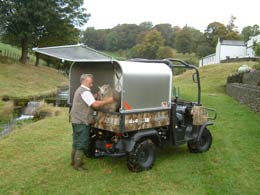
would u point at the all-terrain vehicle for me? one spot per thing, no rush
(150, 115)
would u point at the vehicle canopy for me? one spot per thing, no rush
(143, 86)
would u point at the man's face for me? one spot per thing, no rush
(89, 82)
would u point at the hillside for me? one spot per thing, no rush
(23, 81)
(35, 158)
(19, 80)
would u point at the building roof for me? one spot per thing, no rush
(232, 42)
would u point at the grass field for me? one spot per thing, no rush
(35, 158)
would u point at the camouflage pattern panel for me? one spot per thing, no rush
(200, 115)
(110, 121)
(107, 121)
(146, 120)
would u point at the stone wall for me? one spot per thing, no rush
(245, 89)
(252, 78)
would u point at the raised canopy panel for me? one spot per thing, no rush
(146, 85)
(74, 53)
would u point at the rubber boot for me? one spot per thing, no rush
(78, 161)
(73, 157)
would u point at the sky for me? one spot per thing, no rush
(194, 13)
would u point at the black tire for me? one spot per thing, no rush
(203, 144)
(142, 157)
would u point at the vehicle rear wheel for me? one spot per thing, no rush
(142, 157)
(203, 144)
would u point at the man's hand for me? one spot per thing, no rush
(98, 104)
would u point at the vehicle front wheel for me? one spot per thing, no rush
(142, 157)
(201, 145)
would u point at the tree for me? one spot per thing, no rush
(90, 37)
(146, 26)
(60, 34)
(183, 41)
(214, 31)
(100, 42)
(149, 46)
(167, 33)
(25, 22)
(231, 27)
(111, 43)
(249, 31)
(164, 52)
(204, 49)
(257, 49)
(127, 35)
(232, 32)
(187, 40)
(175, 30)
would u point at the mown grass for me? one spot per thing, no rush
(35, 158)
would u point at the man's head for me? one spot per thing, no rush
(87, 80)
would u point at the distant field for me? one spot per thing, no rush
(35, 157)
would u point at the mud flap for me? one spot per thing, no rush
(152, 133)
(202, 129)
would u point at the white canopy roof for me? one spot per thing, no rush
(74, 53)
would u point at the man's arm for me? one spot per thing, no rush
(90, 100)
(98, 104)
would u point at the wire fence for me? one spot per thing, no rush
(9, 54)
(7, 128)
(16, 55)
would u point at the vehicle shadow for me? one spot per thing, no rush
(118, 164)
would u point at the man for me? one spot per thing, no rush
(81, 119)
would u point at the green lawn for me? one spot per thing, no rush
(35, 158)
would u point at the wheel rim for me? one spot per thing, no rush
(202, 141)
(143, 156)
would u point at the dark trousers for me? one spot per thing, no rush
(80, 136)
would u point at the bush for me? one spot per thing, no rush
(46, 110)
(164, 52)
(257, 66)
(235, 78)
(6, 111)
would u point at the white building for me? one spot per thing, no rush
(230, 49)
